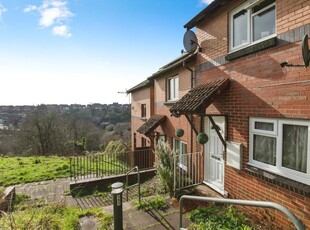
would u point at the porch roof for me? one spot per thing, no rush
(151, 124)
(199, 98)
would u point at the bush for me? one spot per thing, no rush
(217, 217)
(165, 165)
(117, 148)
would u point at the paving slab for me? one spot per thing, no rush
(89, 223)
(54, 191)
(138, 220)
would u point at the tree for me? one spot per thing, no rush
(43, 132)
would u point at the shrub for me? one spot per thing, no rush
(165, 165)
(202, 138)
(217, 217)
(179, 132)
(117, 148)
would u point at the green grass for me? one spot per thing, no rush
(19, 170)
(87, 192)
(155, 203)
(53, 216)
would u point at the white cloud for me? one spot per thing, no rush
(30, 8)
(53, 13)
(2, 10)
(207, 2)
(62, 31)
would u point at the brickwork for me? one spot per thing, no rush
(292, 14)
(139, 97)
(172, 123)
(259, 87)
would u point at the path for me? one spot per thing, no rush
(55, 190)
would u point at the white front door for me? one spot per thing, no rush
(213, 154)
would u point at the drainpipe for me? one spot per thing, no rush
(192, 84)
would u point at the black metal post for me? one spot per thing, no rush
(117, 192)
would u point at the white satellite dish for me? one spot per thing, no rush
(190, 41)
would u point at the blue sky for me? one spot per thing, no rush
(86, 51)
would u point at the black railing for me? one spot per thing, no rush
(109, 164)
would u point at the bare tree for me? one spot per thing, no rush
(43, 132)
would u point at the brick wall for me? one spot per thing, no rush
(260, 87)
(161, 107)
(139, 97)
(292, 14)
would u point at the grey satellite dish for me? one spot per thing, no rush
(305, 50)
(190, 41)
(305, 54)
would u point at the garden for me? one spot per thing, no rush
(38, 214)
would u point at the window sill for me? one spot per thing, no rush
(143, 118)
(170, 103)
(281, 181)
(252, 49)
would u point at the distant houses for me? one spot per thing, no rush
(12, 116)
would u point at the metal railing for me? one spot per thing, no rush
(263, 204)
(109, 163)
(137, 184)
(188, 170)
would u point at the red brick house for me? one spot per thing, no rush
(240, 89)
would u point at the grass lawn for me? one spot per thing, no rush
(18, 170)
(50, 216)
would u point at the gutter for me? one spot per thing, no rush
(174, 64)
(210, 9)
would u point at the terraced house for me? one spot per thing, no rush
(243, 84)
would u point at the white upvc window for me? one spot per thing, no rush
(281, 146)
(173, 88)
(252, 22)
(180, 148)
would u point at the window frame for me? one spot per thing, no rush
(278, 134)
(180, 148)
(143, 111)
(170, 89)
(248, 6)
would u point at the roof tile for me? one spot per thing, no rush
(199, 98)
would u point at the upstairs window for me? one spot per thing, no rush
(252, 22)
(173, 88)
(143, 110)
(282, 147)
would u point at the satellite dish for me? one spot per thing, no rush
(190, 41)
(305, 50)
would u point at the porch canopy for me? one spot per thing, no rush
(199, 98)
(151, 124)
